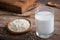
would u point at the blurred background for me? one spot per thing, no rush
(45, 1)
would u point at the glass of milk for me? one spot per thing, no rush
(44, 21)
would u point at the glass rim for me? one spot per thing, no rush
(44, 8)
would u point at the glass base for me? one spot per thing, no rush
(44, 35)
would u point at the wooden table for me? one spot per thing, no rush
(6, 35)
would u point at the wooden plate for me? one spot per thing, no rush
(19, 32)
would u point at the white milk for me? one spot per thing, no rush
(44, 23)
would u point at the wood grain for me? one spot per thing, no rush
(6, 35)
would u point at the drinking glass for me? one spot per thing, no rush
(44, 21)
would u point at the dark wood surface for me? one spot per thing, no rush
(6, 35)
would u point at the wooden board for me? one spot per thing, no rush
(5, 35)
(16, 6)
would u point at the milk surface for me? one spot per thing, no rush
(44, 22)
